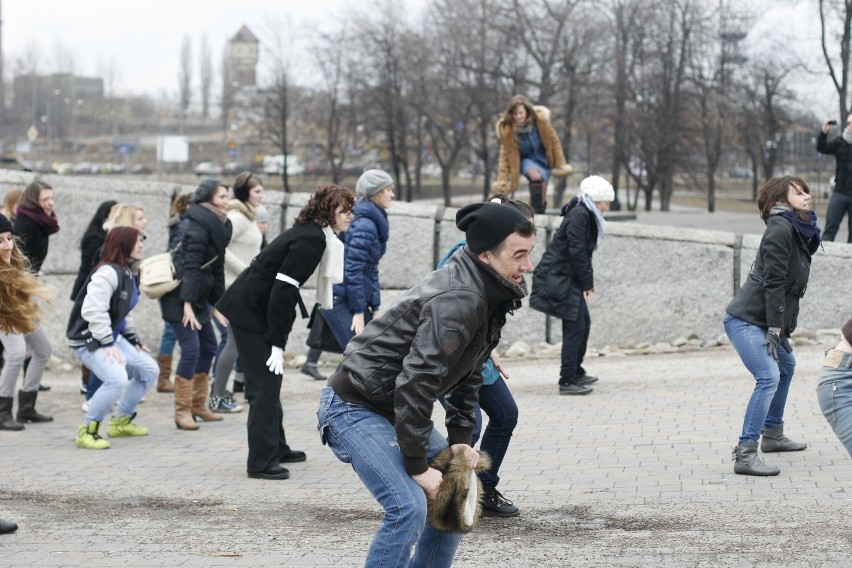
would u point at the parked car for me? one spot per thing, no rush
(83, 168)
(236, 168)
(740, 173)
(64, 168)
(208, 169)
(141, 169)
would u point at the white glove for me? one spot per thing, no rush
(276, 361)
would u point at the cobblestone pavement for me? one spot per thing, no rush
(638, 473)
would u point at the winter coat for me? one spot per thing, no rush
(777, 279)
(263, 298)
(205, 240)
(565, 270)
(433, 341)
(33, 237)
(102, 310)
(90, 251)
(177, 228)
(509, 164)
(245, 239)
(843, 157)
(366, 243)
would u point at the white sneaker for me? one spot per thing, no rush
(85, 406)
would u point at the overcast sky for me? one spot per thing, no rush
(144, 37)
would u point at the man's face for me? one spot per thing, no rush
(513, 259)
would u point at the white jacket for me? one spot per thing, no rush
(245, 239)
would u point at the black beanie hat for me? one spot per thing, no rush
(6, 225)
(485, 225)
(204, 192)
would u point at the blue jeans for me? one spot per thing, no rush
(502, 410)
(839, 205)
(366, 440)
(167, 342)
(128, 382)
(834, 391)
(772, 378)
(197, 349)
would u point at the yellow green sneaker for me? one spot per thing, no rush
(123, 426)
(87, 437)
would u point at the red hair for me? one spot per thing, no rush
(119, 244)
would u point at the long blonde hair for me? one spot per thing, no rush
(20, 313)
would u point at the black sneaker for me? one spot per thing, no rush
(585, 380)
(495, 505)
(574, 388)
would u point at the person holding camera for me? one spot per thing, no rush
(840, 203)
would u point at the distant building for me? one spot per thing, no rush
(60, 102)
(243, 51)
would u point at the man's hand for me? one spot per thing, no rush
(826, 126)
(471, 455)
(429, 480)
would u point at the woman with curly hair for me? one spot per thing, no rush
(261, 305)
(20, 329)
(529, 146)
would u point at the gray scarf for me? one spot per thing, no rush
(601, 222)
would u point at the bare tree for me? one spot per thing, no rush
(278, 93)
(185, 80)
(205, 76)
(330, 55)
(837, 10)
(228, 95)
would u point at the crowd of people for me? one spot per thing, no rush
(436, 343)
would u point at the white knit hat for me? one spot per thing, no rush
(597, 188)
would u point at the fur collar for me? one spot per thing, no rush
(246, 208)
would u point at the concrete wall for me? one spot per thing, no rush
(654, 283)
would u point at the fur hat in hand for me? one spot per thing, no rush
(6, 225)
(485, 225)
(457, 505)
(372, 181)
(597, 188)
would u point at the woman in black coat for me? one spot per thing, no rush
(261, 305)
(199, 263)
(35, 222)
(91, 244)
(563, 282)
(763, 314)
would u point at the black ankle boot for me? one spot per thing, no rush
(310, 366)
(7, 422)
(774, 440)
(26, 408)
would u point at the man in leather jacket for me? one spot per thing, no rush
(376, 411)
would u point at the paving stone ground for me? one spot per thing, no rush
(638, 473)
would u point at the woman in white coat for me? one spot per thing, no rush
(245, 244)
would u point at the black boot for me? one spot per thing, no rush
(310, 366)
(7, 422)
(7, 526)
(774, 440)
(749, 463)
(495, 505)
(572, 387)
(26, 408)
(537, 196)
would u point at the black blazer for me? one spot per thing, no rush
(205, 239)
(259, 300)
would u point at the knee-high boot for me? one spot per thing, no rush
(537, 188)
(183, 402)
(200, 387)
(163, 382)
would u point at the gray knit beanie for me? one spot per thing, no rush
(372, 181)
(262, 214)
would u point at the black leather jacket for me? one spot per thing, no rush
(777, 280)
(432, 342)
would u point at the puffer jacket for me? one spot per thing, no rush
(509, 164)
(565, 270)
(205, 239)
(366, 243)
(102, 309)
(432, 342)
(777, 279)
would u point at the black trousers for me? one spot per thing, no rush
(575, 337)
(266, 440)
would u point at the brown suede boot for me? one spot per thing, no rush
(200, 386)
(163, 382)
(183, 401)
